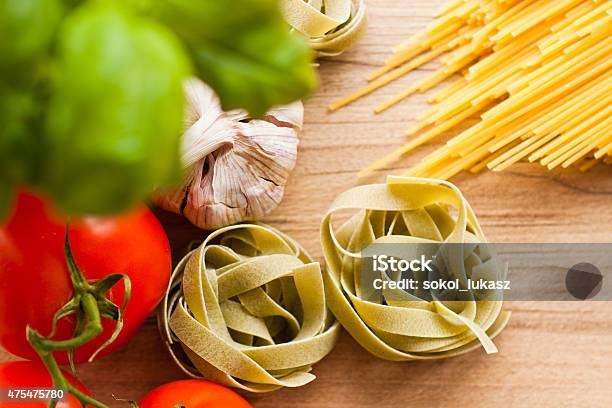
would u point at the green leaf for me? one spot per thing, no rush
(27, 28)
(243, 49)
(116, 115)
(6, 194)
(19, 149)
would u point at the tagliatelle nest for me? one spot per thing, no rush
(237, 167)
(247, 309)
(330, 26)
(400, 324)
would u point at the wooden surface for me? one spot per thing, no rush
(551, 354)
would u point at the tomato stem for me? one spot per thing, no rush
(133, 404)
(93, 327)
(59, 381)
(90, 305)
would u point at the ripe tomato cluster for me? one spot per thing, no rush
(37, 280)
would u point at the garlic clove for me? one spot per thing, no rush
(289, 115)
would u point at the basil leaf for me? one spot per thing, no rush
(17, 143)
(243, 49)
(116, 115)
(27, 28)
(19, 150)
(6, 199)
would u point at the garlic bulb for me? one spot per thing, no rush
(237, 167)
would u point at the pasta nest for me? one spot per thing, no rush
(401, 324)
(330, 26)
(247, 308)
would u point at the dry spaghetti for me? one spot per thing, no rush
(537, 72)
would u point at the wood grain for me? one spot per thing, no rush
(551, 354)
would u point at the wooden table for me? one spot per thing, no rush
(551, 354)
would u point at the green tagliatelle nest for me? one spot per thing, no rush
(248, 310)
(330, 26)
(401, 325)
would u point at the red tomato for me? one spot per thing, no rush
(35, 282)
(34, 375)
(193, 394)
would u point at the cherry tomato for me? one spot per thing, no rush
(32, 374)
(193, 394)
(35, 282)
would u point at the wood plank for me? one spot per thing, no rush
(551, 354)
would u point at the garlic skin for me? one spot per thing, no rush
(237, 167)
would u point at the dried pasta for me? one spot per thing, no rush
(536, 72)
(331, 26)
(406, 326)
(247, 309)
